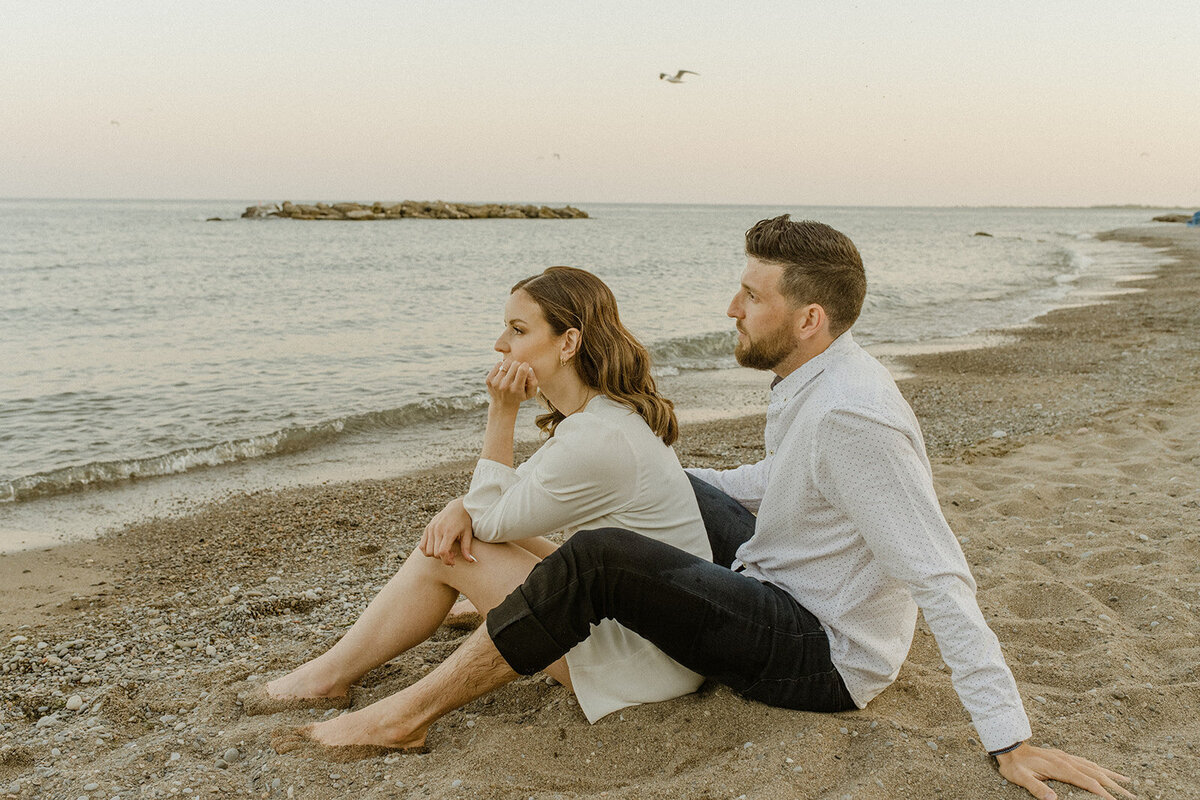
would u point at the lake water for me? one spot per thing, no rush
(139, 340)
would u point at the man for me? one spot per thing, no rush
(812, 603)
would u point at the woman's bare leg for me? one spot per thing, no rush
(406, 612)
(540, 546)
(464, 614)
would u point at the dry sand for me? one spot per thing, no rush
(1080, 523)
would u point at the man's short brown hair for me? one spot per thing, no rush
(820, 265)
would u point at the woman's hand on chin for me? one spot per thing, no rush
(511, 383)
(450, 527)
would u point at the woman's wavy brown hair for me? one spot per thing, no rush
(609, 358)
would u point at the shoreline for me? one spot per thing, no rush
(1071, 520)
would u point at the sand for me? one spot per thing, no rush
(123, 659)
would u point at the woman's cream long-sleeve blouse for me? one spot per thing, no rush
(603, 467)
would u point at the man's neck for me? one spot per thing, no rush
(805, 351)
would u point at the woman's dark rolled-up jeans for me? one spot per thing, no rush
(749, 635)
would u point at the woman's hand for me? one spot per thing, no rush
(450, 526)
(511, 383)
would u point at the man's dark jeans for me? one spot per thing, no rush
(749, 635)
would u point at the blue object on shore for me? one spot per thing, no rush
(1194, 222)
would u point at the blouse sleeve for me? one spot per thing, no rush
(580, 474)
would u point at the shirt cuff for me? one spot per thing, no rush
(489, 482)
(492, 476)
(996, 733)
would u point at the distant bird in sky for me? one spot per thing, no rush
(677, 77)
(114, 122)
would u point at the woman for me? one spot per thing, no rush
(607, 461)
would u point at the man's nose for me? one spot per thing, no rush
(735, 309)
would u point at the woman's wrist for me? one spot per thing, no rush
(503, 411)
(498, 438)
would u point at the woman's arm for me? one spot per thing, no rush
(509, 383)
(581, 474)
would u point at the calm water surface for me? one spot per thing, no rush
(140, 340)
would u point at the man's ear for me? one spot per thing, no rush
(810, 320)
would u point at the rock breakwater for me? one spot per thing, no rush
(410, 209)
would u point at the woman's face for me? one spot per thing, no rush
(528, 337)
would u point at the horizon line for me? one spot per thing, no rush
(577, 203)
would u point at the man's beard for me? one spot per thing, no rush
(765, 353)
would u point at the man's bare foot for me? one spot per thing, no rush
(361, 734)
(463, 616)
(288, 740)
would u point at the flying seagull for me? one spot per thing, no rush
(677, 77)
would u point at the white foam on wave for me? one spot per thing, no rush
(288, 440)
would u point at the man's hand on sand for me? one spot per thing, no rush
(449, 530)
(1030, 766)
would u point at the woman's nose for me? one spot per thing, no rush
(500, 346)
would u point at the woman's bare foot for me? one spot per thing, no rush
(304, 687)
(464, 616)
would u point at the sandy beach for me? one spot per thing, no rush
(1067, 459)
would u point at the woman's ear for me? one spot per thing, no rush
(569, 346)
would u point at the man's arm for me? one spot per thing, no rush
(747, 484)
(876, 475)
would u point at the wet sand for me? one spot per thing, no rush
(1067, 459)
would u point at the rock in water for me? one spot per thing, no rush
(260, 212)
(436, 209)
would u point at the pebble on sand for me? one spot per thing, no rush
(74, 703)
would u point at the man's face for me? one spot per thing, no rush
(765, 318)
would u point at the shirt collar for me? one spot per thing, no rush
(786, 388)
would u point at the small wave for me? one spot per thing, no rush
(288, 440)
(1072, 263)
(1078, 261)
(701, 351)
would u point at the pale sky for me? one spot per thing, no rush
(869, 103)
